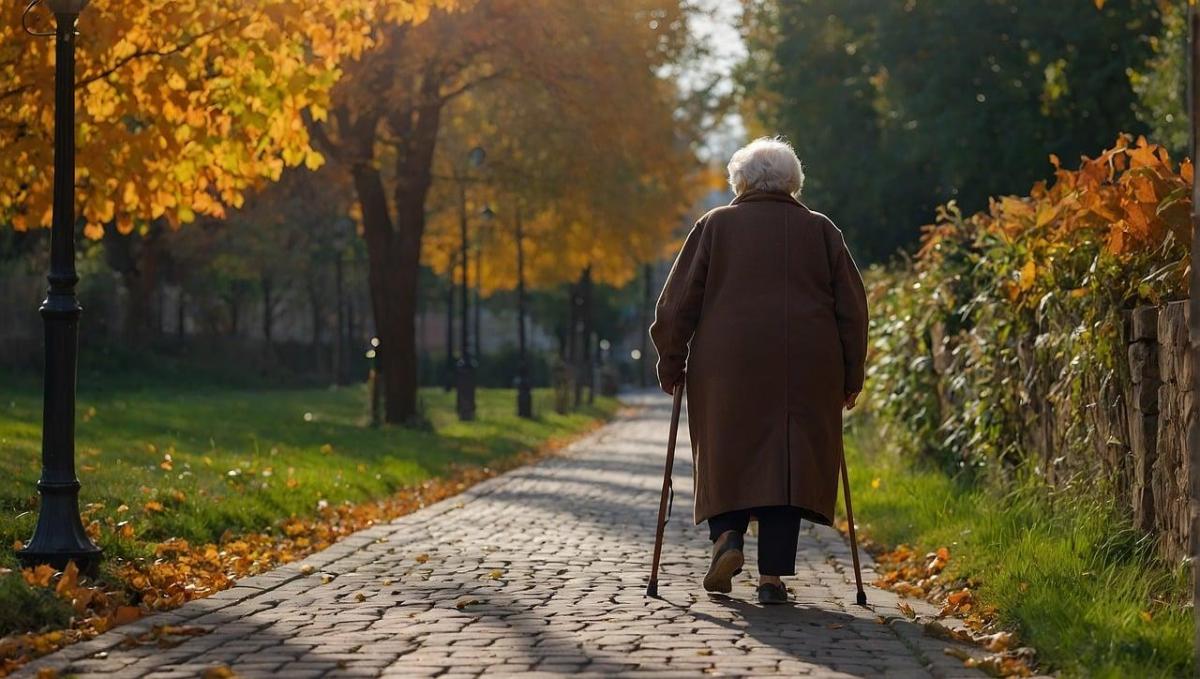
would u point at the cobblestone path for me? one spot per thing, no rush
(541, 571)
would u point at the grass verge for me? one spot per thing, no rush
(165, 463)
(1066, 572)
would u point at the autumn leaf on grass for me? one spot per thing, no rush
(38, 577)
(326, 449)
(153, 506)
(69, 581)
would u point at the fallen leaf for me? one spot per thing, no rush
(126, 615)
(464, 602)
(422, 558)
(360, 597)
(907, 610)
(219, 672)
(307, 569)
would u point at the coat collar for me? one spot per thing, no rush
(755, 196)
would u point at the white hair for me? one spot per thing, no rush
(766, 164)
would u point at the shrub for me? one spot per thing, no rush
(1009, 315)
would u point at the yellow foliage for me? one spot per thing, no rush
(182, 106)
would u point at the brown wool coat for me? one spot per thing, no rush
(766, 310)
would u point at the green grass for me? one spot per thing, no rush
(232, 451)
(1067, 573)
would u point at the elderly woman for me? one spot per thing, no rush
(765, 309)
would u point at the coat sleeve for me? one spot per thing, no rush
(678, 310)
(850, 308)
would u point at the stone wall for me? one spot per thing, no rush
(1127, 431)
(1160, 407)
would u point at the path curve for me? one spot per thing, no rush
(540, 571)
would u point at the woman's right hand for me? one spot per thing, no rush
(851, 400)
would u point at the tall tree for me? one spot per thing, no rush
(385, 121)
(898, 107)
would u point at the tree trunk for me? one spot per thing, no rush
(647, 305)
(478, 303)
(314, 303)
(581, 334)
(136, 258)
(339, 334)
(393, 273)
(234, 313)
(449, 381)
(180, 327)
(268, 317)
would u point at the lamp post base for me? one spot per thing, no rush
(60, 537)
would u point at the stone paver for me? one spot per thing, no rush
(539, 572)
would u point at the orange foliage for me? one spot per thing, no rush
(1128, 201)
(182, 106)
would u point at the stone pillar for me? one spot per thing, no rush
(1143, 412)
(1170, 467)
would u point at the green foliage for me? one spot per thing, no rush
(1009, 318)
(1064, 571)
(1161, 85)
(898, 107)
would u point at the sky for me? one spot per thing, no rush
(718, 28)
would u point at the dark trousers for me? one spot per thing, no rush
(778, 533)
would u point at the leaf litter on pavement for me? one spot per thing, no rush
(180, 572)
(912, 574)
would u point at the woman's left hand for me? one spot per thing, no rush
(851, 400)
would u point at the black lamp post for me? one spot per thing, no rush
(60, 537)
(466, 366)
(524, 394)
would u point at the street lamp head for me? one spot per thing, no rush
(476, 157)
(67, 6)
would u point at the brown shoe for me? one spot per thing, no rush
(726, 562)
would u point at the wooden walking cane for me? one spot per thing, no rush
(862, 596)
(668, 493)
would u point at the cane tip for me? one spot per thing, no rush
(861, 598)
(652, 590)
